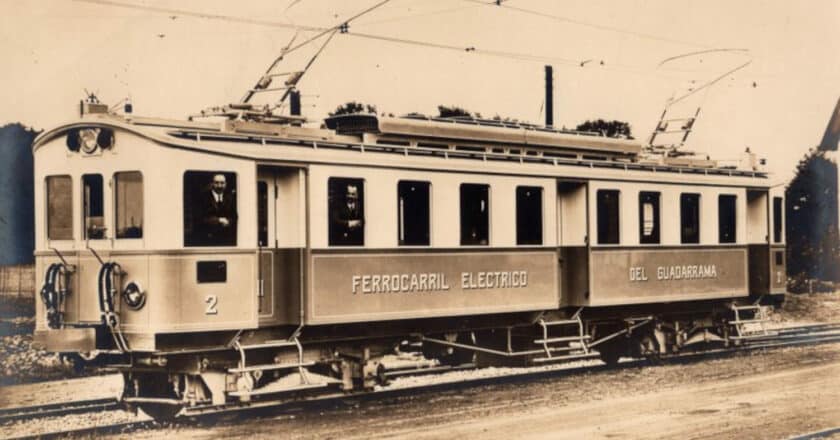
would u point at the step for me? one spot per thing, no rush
(258, 392)
(566, 357)
(748, 307)
(268, 367)
(561, 322)
(269, 344)
(749, 321)
(562, 339)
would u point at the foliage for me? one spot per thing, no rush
(17, 205)
(445, 111)
(608, 128)
(811, 213)
(353, 107)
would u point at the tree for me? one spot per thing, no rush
(349, 108)
(607, 128)
(17, 194)
(445, 111)
(811, 221)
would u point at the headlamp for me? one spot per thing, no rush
(134, 296)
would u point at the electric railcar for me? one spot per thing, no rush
(228, 260)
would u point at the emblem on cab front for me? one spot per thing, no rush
(89, 140)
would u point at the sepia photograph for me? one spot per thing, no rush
(420, 219)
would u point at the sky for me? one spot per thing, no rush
(606, 55)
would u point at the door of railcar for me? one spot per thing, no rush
(573, 224)
(281, 238)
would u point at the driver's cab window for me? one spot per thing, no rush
(92, 210)
(210, 210)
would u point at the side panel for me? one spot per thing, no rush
(355, 287)
(282, 291)
(574, 266)
(177, 301)
(759, 269)
(635, 276)
(778, 281)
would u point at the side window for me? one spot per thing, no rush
(475, 214)
(727, 213)
(413, 213)
(608, 219)
(778, 219)
(210, 217)
(529, 213)
(59, 208)
(649, 217)
(262, 213)
(128, 206)
(690, 218)
(346, 201)
(93, 213)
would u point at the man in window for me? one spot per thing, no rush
(346, 219)
(218, 219)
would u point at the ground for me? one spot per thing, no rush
(20, 362)
(774, 394)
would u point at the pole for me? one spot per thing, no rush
(549, 96)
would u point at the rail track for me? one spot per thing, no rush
(784, 337)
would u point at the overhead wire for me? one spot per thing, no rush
(323, 31)
(204, 15)
(412, 16)
(598, 26)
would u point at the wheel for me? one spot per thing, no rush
(160, 411)
(649, 349)
(153, 386)
(610, 352)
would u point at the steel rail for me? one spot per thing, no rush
(58, 409)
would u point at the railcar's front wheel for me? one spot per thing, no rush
(156, 394)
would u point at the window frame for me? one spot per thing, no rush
(84, 213)
(237, 208)
(47, 206)
(734, 198)
(598, 236)
(262, 215)
(656, 238)
(400, 219)
(541, 218)
(362, 203)
(462, 238)
(778, 219)
(684, 239)
(116, 204)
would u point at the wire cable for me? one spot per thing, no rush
(204, 15)
(590, 24)
(323, 31)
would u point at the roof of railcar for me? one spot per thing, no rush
(254, 141)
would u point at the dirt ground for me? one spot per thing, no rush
(817, 307)
(774, 394)
(20, 362)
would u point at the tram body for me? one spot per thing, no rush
(463, 229)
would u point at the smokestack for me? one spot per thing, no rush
(549, 96)
(294, 103)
